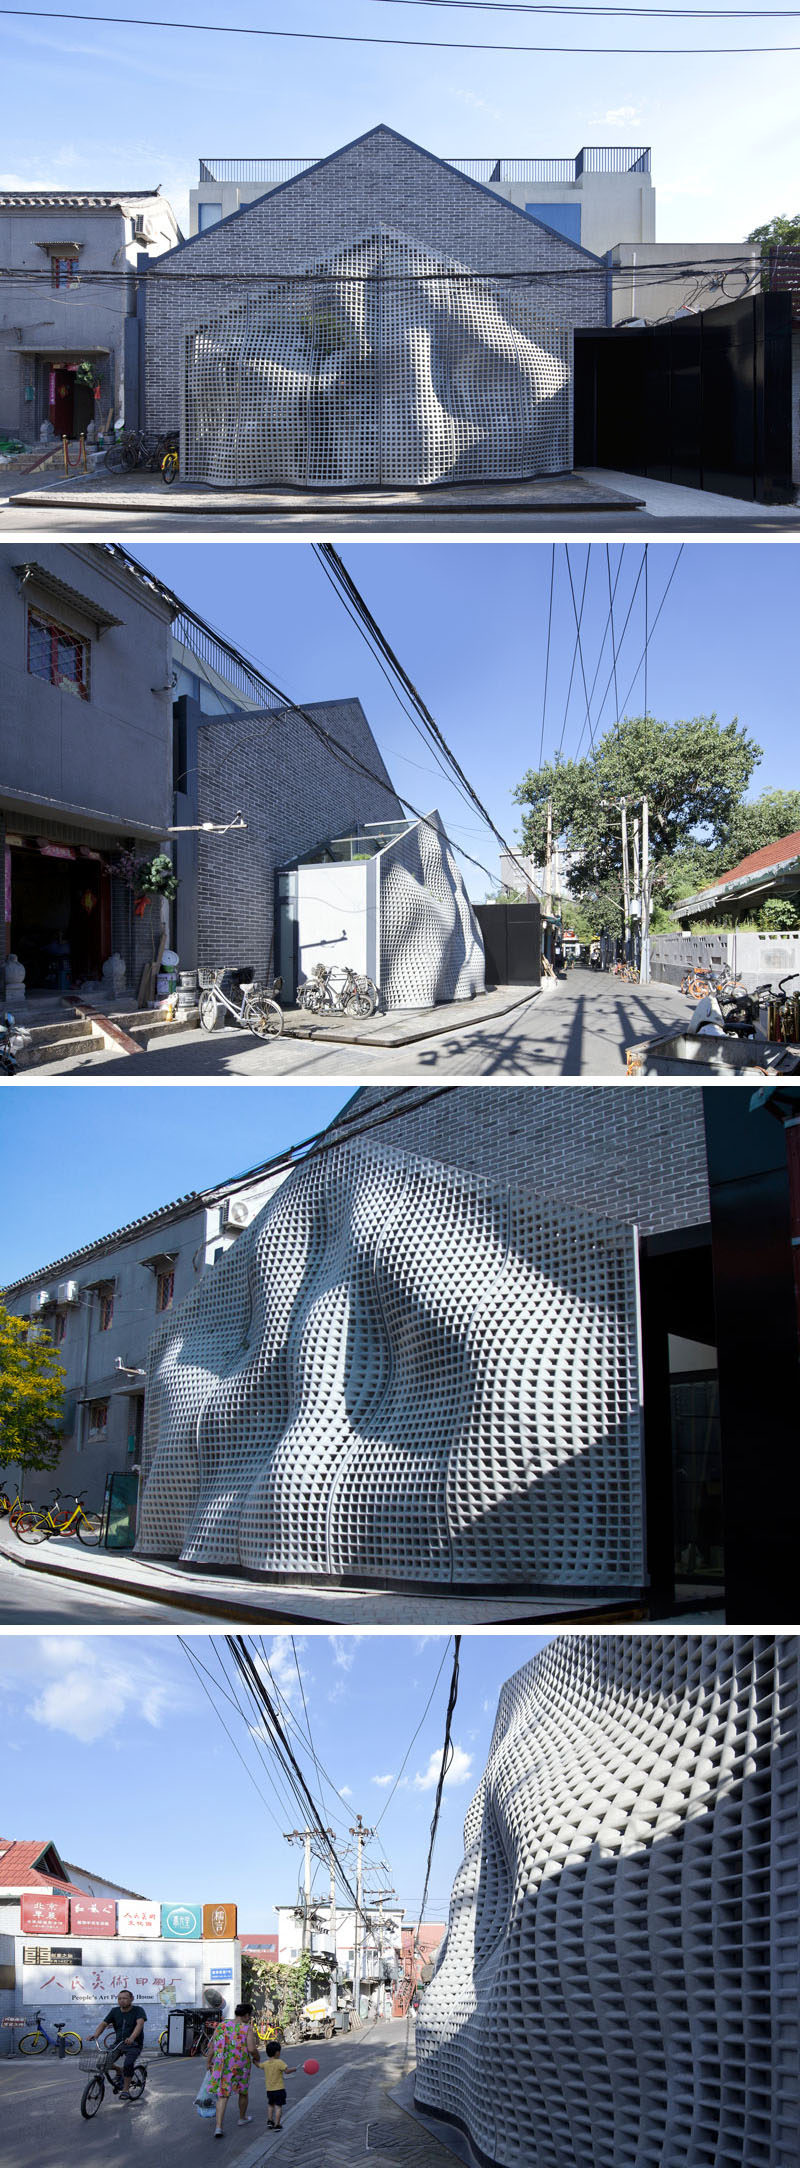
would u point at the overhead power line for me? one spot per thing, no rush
(551, 7)
(447, 1756)
(352, 37)
(730, 263)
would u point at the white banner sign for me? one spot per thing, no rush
(166, 1985)
(135, 1920)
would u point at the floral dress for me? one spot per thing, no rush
(230, 2061)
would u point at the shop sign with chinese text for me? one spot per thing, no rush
(43, 1984)
(44, 1915)
(94, 1916)
(219, 1923)
(182, 1923)
(137, 1920)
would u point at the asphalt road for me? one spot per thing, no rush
(43, 2126)
(34, 1599)
(583, 1029)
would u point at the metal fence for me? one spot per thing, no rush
(593, 158)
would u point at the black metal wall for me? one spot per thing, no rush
(512, 940)
(705, 401)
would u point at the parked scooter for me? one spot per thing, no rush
(13, 1037)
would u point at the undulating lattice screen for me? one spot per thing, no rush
(618, 1986)
(430, 943)
(402, 1373)
(381, 366)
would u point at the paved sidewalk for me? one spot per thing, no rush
(357, 2120)
(556, 493)
(224, 1596)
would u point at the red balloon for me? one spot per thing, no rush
(311, 2067)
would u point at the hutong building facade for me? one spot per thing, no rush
(377, 318)
(618, 1981)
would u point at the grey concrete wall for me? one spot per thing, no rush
(294, 793)
(639, 1157)
(380, 183)
(110, 754)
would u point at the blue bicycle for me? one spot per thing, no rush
(38, 2042)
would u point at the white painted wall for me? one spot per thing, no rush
(614, 206)
(752, 957)
(718, 272)
(332, 910)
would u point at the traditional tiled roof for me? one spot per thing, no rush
(30, 1863)
(71, 199)
(772, 854)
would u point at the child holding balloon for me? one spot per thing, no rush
(275, 2070)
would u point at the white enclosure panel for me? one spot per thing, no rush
(618, 1984)
(382, 365)
(331, 918)
(404, 1373)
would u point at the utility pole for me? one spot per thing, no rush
(358, 1942)
(626, 886)
(333, 1999)
(644, 967)
(378, 1899)
(303, 1836)
(548, 861)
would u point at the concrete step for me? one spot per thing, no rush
(58, 1027)
(52, 1042)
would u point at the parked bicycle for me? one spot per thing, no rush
(13, 1040)
(170, 465)
(204, 2025)
(140, 448)
(626, 971)
(98, 2062)
(61, 2039)
(338, 988)
(248, 1003)
(13, 1507)
(35, 1524)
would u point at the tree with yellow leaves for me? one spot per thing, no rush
(31, 1395)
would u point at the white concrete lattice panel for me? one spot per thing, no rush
(382, 365)
(618, 1985)
(404, 1374)
(429, 940)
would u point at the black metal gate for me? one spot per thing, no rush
(705, 401)
(512, 942)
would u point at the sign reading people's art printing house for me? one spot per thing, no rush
(182, 1923)
(103, 1983)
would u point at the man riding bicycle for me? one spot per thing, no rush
(128, 2023)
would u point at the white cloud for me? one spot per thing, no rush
(620, 115)
(383, 1781)
(346, 1791)
(88, 1688)
(459, 1772)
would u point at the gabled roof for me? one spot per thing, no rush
(771, 854)
(296, 180)
(30, 1863)
(751, 877)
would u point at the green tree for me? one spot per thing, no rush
(31, 1395)
(278, 1992)
(780, 232)
(695, 774)
(775, 814)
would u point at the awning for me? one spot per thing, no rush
(31, 572)
(61, 351)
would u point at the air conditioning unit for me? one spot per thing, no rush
(68, 1292)
(238, 1212)
(40, 1300)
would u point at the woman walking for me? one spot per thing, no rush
(233, 2050)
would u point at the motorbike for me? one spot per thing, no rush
(13, 1037)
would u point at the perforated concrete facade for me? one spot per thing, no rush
(384, 366)
(404, 1374)
(430, 943)
(633, 1156)
(382, 185)
(618, 1987)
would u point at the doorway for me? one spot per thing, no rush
(60, 916)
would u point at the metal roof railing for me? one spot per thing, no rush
(593, 158)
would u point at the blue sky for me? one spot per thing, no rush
(116, 107)
(469, 623)
(114, 1752)
(110, 1160)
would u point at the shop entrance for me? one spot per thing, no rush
(60, 915)
(70, 404)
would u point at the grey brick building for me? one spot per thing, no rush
(292, 788)
(381, 279)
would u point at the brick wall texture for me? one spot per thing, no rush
(294, 793)
(637, 1156)
(382, 183)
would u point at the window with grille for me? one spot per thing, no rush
(98, 1415)
(106, 1309)
(58, 656)
(165, 1289)
(62, 270)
